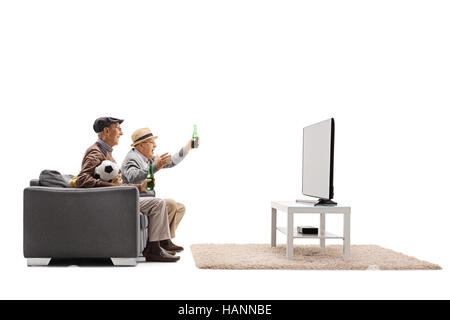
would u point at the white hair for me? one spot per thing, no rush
(101, 134)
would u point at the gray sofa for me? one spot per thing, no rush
(83, 223)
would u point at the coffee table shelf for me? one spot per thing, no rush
(327, 235)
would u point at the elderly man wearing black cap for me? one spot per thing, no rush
(109, 132)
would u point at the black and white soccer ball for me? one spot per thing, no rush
(107, 171)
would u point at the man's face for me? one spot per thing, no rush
(113, 133)
(147, 148)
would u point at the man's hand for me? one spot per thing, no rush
(143, 186)
(188, 145)
(163, 160)
(117, 181)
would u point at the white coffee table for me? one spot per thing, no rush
(292, 207)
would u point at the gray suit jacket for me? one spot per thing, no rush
(134, 171)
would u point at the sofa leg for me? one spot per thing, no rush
(124, 262)
(35, 262)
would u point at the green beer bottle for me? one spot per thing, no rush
(150, 184)
(194, 144)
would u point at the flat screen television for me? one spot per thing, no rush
(318, 162)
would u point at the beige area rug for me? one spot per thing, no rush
(308, 257)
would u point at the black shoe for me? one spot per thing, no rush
(176, 248)
(172, 252)
(168, 245)
(161, 256)
(146, 249)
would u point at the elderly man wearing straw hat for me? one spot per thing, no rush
(109, 131)
(135, 169)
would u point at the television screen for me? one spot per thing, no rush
(318, 154)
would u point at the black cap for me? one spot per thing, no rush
(104, 122)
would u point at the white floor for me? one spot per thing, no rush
(182, 280)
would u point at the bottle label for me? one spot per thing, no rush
(194, 143)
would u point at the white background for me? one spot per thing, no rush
(251, 75)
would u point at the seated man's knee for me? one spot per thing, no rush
(161, 204)
(171, 204)
(181, 208)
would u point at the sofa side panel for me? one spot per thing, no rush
(83, 223)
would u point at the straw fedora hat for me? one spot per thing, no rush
(141, 135)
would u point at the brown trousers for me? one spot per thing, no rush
(175, 212)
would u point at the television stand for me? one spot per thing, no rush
(320, 202)
(291, 208)
(325, 202)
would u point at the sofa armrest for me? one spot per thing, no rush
(84, 223)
